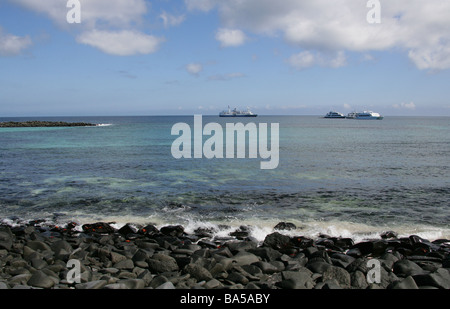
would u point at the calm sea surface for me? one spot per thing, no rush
(340, 177)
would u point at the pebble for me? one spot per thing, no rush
(133, 257)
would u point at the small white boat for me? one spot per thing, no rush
(334, 115)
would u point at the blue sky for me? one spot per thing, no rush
(137, 57)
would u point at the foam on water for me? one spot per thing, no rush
(257, 229)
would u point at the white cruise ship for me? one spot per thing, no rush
(334, 115)
(366, 115)
(236, 113)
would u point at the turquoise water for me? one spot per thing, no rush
(340, 177)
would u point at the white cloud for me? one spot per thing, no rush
(306, 59)
(111, 26)
(171, 20)
(410, 106)
(418, 28)
(11, 45)
(302, 60)
(194, 68)
(230, 37)
(93, 12)
(431, 58)
(121, 43)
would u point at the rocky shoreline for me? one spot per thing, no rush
(36, 124)
(33, 256)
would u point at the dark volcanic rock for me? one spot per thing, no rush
(406, 284)
(160, 263)
(285, 226)
(375, 247)
(99, 227)
(277, 241)
(297, 279)
(405, 268)
(389, 235)
(439, 279)
(172, 230)
(41, 280)
(198, 272)
(6, 238)
(339, 274)
(36, 256)
(35, 123)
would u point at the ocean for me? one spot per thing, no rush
(340, 177)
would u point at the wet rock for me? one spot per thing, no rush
(38, 263)
(245, 258)
(128, 229)
(41, 280)
(340, 275)
(266, 253)
(358, 280)
(318, 266)
(160, 263)
(277, 241)
(342, 260)
(389, 235)
(405, 268)
(296, 280)
(62, 249)
(148, 230)
(241, 233)
(285, 226)
(406, 284)
(246, 245)
(6, 238)
(266, 267)
(142, 255)
(374, 248)
(38, 245)
(99, 227)
(126, 264)
(115, 257)
(344, 243)
(20, 279)
(198, 272)
(439, 279)
(173, 230)
(237, 277)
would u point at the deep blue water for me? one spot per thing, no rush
(340, 177)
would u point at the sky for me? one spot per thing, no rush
(185, 57)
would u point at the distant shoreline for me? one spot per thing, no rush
(35, 123)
